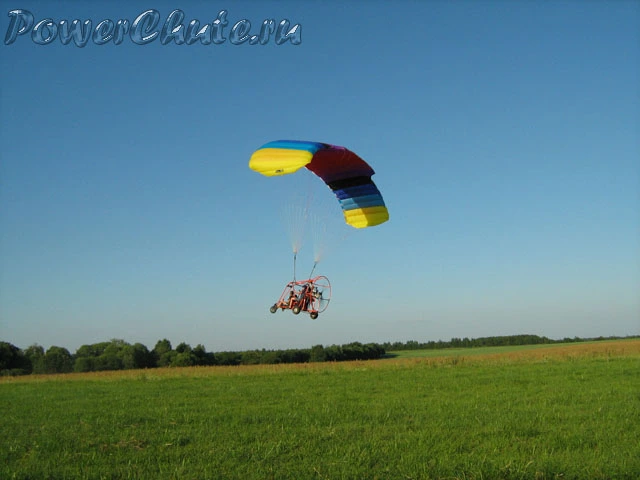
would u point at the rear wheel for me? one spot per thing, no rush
(296, 309)
(313, 315)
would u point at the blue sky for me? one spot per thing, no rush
(504, 136)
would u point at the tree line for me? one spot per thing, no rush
(120, 355)
(496, 341)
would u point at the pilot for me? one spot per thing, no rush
(292, 298)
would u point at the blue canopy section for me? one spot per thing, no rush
(312, 147)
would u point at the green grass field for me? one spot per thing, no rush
(569, 412)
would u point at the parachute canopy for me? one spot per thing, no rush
(344, 172)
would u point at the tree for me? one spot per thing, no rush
(35, 354)
(373, 351)
(162, 346)
(84, 364)
(166, 359)
(318, 354)
(108, 361)
(13, 361)
(7, 354)
(184, 359)
(87, 357)
(137, 356)
(111, 357)
(203, 357)
(228, 358)
(352, 351)
(334, 353)
(183, 348)
(272, 357)
(251, 357)
(297, 356)
(162, 353)
(93, 350)
(115, 347)
(58, 360)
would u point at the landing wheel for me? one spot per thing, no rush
(313, 315)
(296, 309)
(273, 309)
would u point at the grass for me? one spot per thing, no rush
(571, 411)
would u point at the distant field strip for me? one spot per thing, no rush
(532, 352)
(564, 411)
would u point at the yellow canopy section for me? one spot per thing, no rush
(366, 217)
(279, 161)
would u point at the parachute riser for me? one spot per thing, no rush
(312, 270)
(295, 256)
(294, 266)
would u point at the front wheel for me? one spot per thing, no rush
(273, 309)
